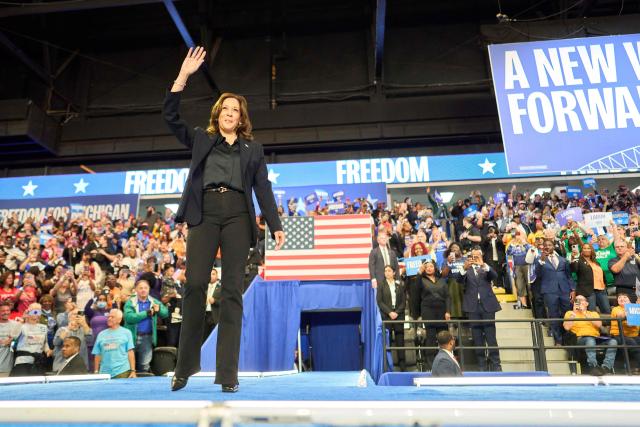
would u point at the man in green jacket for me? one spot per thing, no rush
(141, 317)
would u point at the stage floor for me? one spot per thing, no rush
(312, 386)
(318, 398)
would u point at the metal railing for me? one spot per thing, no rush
(537, 336)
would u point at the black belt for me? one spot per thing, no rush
(219, 189)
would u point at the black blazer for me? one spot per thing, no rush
(252, 163)
(383, 298)
(475, 285)
(75, 367)
(584, 273)
(444, 366)
(487, 250)
(376, 264)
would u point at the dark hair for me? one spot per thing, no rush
(244, 128)
(444, 338)
(592, 257)
(75, 340)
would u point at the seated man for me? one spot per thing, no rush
(72, 363)
(445, 364)
(630, 332)
(587, 331)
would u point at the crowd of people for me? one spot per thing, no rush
(92, 296)
(99, 296)
(558, 265)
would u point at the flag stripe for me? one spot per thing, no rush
(317, 261)
(350, 245)
(365, 237)
(316, 267)
(319, 277)
(323, 247)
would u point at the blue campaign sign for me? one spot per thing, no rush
(413, 264)
(500, 197)
(574, 192)
(118, 206)
(621, 218)
(471, 210)
(633, 314)
(558, 100)
(589, 182)
(306, 197)
(574, 214)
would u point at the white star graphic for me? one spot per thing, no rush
(273, 176)
(81, 186)
(371, 200)
(29, 189)
(487, 166)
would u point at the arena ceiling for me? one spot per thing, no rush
(77, 75)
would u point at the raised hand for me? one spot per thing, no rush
(193, 61)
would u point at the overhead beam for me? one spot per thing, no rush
(19, 53)
(378, 48)
(68, 6)
(184, 32)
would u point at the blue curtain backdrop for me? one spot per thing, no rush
(272, 317)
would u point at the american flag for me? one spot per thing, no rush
(321, 248)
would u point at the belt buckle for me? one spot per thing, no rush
(222, 189)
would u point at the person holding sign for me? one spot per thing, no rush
(451, 269)
(630, 332)
(435, 303)
(591, 281)
(226, 169)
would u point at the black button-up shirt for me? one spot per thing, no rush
(222, 166)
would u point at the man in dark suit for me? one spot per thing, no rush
(379, 258)
(445, 364)
(480, 303)
(556, 285)
(73, 363)
(390, 297)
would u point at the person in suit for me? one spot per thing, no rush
(445, 363)
(226, 168)
(391, 301)
(73, 363)
(379, 258)
(556, 285)
(480, 303)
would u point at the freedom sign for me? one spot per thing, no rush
(558, 100)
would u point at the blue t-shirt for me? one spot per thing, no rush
(144, 327)
(113, 346)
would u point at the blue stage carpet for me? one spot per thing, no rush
(332, 386)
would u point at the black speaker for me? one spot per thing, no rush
(164, 360)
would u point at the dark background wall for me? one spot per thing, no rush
(81, 83)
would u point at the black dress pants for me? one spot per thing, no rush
(485, 334)
(434, 312)
(225, 225)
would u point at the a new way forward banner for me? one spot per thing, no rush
(569, 105)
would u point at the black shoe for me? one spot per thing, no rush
(230, 388)
(178, 382)
(596, 371)
(606, 370)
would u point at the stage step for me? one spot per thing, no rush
(519, 334)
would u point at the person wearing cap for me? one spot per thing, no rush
(32, 345)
